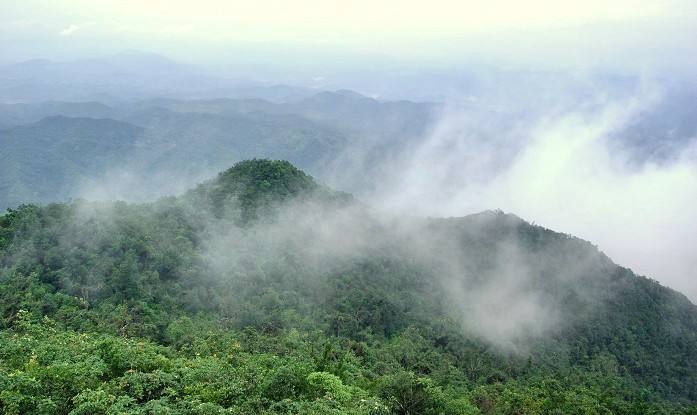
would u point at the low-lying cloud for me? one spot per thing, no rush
(566, 171)
(500, 301)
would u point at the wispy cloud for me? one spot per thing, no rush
(69, 30)
(73, 28)
(564, 171)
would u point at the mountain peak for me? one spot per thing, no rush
(267, 175)
(256, 184)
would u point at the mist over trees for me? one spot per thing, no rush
(521, 141)
(262, 291)
(444, 207)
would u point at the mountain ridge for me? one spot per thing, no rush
(493, 304)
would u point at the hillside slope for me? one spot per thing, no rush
(261, 291)
(149, 153)
(47, 160)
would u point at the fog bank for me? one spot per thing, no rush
(567, 171)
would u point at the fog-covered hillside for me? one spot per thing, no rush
(261, 290)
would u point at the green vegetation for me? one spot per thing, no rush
(236, 298)
(47, 160)
(59, 157)
(53, 151)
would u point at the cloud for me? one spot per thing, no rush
(69, 30)
(564, 171)
(73, 28)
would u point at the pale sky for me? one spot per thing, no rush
(641, 34)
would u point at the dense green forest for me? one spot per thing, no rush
(263, 292)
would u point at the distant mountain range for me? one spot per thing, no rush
(342, 137)
(126, 76)
(45, 157)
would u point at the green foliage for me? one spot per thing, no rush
(45, 160)
(120, 309)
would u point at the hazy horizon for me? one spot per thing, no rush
(318, 39)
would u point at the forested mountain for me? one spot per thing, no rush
(171, 144)
(343, 137)
(262, 291)
(48, 159)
